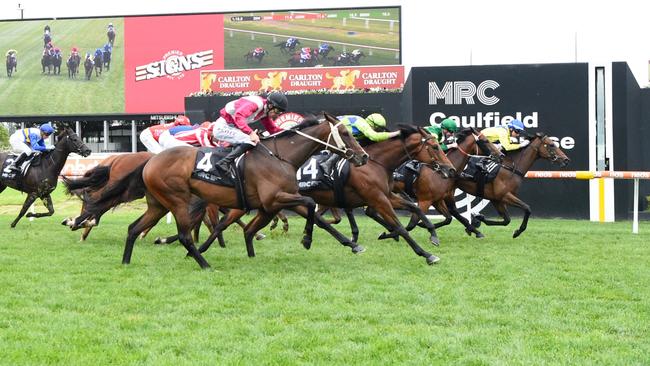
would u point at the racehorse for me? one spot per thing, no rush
(101, 177)
(73, 65)
(111, 36)
(321, 53)
(12, 62)
(297, 61)
(39, 181)
(270, 183)
(106, 57)
(98, 58)
(256, 54)
(349, 58)
(370, 184)
(503, 189)
(56, 63)
(47, 38)
(287, 50)
(88, 67)
(431, 188)
(47, 60)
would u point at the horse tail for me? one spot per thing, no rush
(126, 189)
(278, 44)
(93, 179)
(197, 208)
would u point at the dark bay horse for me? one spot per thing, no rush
(47, 60)
(502, 191)
(111, 36)
(270, 175)
(106, 58)
(98, 59)
(12, 63)
(40, 181)
(287, 50)
(370, 185)
(57, 60)
(73, 65)
(256, 54)
(88, 67)
(431, 188)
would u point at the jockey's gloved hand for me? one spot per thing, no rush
(524, 143)
(514, 140)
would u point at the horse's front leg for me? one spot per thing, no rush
(512, 200)
(47, 201)
(501, 210)
(284, 200)
(402, 203)
(28, 202)
(469, 227)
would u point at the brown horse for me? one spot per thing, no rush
(270, 183)
(502, 191)
(110, 170)
(431, 188)
(370, 185)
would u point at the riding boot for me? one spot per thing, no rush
(327, 165)
(226, 161)
(15, 166)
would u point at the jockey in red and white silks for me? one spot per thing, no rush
(150, 136)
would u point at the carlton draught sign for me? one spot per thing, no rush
(334, 79)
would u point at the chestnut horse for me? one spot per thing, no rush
(270, 183)
(431, 188)
(502, 191)
(370, 185)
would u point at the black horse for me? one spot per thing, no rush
(111, 36)
(12, 62)
(349, 58)
(47, 60)
(107, 58)
(47, 38)
(287, 49)
(41, 180)
(73, 65)
(256, 54)
(88, 67)
(99, 62)
(57, 60)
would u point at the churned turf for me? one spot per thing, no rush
(565, 292)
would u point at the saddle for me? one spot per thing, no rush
(312, 176)
(32, 160)
(205, 169)
(408, 173)
(483, 170)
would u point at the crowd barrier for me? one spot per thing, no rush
(586, 175)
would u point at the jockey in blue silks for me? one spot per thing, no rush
(27, 141)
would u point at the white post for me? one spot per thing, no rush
(134, 137)
(635, 218)
(77, 127)
(468, 213)
(105, 135)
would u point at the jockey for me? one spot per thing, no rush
(74, 51)
(11, 52)
(369, 129)
(258, 51)
(508, 136)
(291, 42)
(27, 141)
(356, 52)
(198, 136)
(445, 133)
(89, 58)
(110, 27)
(108, 48)
(232, 127)
(47, 30)
(151, 136)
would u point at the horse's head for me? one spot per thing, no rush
(422, 146)
(71, 142)
(550, 150)
(351, 150)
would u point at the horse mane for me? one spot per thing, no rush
(407, 130)
(464, 133)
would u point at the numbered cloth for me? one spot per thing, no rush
(311, 175)
(490, 168)
(205, 166)
(408, 173)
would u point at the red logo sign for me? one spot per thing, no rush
(164, 56)
(330, 78)
(287, 120)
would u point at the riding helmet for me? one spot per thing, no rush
(376, 120)
(516, 125)
(278, 100)
(449, 125)
(47, 128)
(182, 120)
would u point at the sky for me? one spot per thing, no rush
(443, 33)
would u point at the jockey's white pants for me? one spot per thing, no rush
(150, 142)
(18, 145)
(167, 141)
(223, 131)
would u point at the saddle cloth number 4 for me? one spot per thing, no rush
(308, 169)
(205, 164)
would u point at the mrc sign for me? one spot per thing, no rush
(549, 98)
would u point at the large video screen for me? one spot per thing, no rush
(148, 64)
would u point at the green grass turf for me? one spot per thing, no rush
(29, 92)
(565, 292)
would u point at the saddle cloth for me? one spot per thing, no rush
(311, 176)
(490, 171)
(32, 160)
(408, 173)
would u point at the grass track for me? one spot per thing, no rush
(566, 292)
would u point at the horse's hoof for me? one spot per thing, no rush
(516, 233)
(434, 240)
(306, 242)
(66, 222)
(468, 231)
(358, 249)
(260, 236)
(383, 236)
(432, 259)
(479, 235)
(158, 240)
